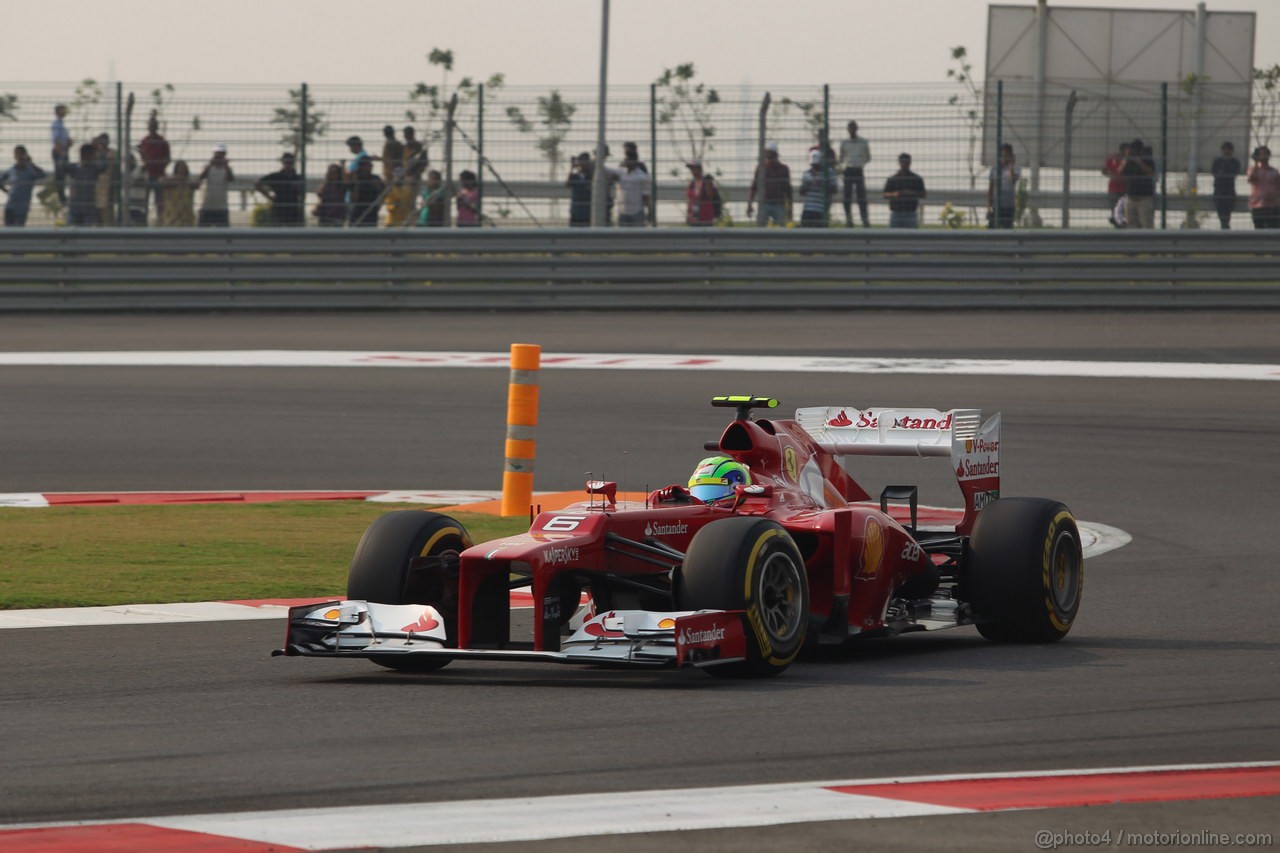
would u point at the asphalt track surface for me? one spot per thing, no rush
(1173, 659)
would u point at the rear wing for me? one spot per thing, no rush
(960, 434)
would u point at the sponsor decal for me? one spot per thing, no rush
(789, 464)
(551, 608)
(688, 638)
(757, 627)
(560, 556)
(840, 420)
(425, 623)
(870, 419)
(981, 499)
(657, 528)
(872, 549)
(332, 615)
(968, 469)
(667, 623)
(597, 629)
(911, 552)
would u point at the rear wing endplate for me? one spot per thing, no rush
(959, 434)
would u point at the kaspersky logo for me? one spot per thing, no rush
(659, 529)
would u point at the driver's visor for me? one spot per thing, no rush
(709, 489)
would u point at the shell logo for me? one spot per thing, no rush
(332, 615)
(667, 623)
(872, 548)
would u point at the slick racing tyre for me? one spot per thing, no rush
(380, 569)
(1024, 576)
(750, 564)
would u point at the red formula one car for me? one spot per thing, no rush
(789, 551)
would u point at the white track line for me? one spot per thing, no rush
(646, 361)
(562, 816)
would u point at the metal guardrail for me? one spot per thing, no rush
(92, 269)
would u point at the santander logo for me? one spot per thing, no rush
(840, 420)
(424, 623)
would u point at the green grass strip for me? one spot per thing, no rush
(94, 556)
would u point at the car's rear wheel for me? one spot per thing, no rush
(380, 570)
(1024, 575)
(753, 565)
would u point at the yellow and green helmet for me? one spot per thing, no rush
(715, 477)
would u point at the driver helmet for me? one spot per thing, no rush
(715, 478)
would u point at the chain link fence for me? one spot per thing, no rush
(520, 142)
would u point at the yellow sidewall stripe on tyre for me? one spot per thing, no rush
(440, 534)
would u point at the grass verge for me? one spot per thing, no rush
(87, 556)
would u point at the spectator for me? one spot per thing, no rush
(433, 201)
(176, 198)
(356, 146)
(399, 200)
(415, 155)
(154, 153)
(392, 153)
(217, 178)
(468, 200)
(1113, 168)
(1140, 186)
(61, 142)
(108, 188)
(631, 152)
(331, 210)
(904, 190)
(703, 204)
(817, 188)
(776, 203)
(1002, 189)
(633, 188)
(18, 181)
(84, 187)
(1264, 190)
(286, 191)
(855, 154)
(366, 191)
(579, 184)
(1225, 169)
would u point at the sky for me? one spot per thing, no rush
(533, 42)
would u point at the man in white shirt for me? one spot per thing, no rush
(633, 188)
(855, 153)
(60, 140)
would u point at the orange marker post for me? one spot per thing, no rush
(522, 417)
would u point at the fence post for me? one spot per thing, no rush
(1066, 161)
(522, 418)
(653, 158)
(480, 154)
(448, 160)
(999, 173)
(600, 178)
(1164, 155)
(302, 153)
(122, 147)
(826, 147)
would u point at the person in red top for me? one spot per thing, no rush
(154, 151)
(702, 197)
(1116, 185)
(1264, 190)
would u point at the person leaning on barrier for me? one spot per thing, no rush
(1113, 168)
(579, 183)
(1264, 190)
(434, 198)
(1000, 205)
(633, 194)
(1140, 186)
(216, 177)
(176, 198)
(1225, 169)
(777, 201)
(331, 209)
(817, 188)
(83, 205)
(153, 151)
(903, 191)
(855, 154)
(286, 192)
(468, 200)
(18, 181)
(366, 190)
(703, 204)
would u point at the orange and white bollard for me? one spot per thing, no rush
(522, 417)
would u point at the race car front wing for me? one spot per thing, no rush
(626, 637)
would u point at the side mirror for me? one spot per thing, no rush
(741, 494)
(608, 489)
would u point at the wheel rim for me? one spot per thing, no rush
(1064, 573)
(780, 596)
